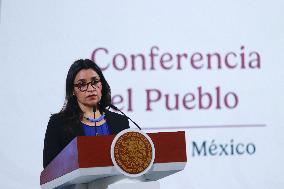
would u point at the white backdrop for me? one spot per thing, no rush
(237, 147)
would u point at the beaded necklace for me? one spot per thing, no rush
(95, 120)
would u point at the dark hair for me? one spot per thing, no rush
(71, 108)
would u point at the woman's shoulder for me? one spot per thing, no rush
(116, 122)
(57, 119)
(54, 119)
(62, 116)
(116, 117)
(114, 114)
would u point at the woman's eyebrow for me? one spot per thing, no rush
(95, 77)
(81, 80)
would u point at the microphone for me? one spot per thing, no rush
(115, 108)
(94, 110)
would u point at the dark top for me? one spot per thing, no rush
(60, 131)
(96, 130)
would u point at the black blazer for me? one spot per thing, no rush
(61, 131)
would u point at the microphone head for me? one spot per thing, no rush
(113, 107)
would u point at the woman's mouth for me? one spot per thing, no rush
(92, 96)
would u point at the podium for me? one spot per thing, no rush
(85, 163)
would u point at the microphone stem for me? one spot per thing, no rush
(115, 108)
(94, 110)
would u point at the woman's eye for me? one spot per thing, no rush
(95, 81)
(82, 84)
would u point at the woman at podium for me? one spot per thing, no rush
(84, 112)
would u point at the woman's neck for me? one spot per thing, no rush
(89, 111)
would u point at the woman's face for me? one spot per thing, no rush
(87, 88)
